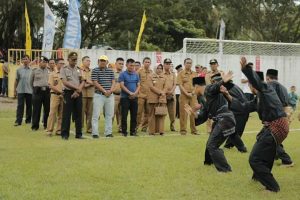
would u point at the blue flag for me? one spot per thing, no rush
(72, 39)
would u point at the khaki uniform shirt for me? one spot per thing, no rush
(39, 77)
(87, 91)
(72, 75)
(159, 82)
(54, 80)
(170, 81)
(117, 89)
(185, 79)
(145, 76)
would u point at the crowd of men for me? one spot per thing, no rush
(84, 95)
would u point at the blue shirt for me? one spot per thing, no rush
(131, 80)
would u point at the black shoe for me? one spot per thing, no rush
(133, 134)
(173, 129)
(28, 122)
(17, 124)
(207, 163)
(243, 150)
(80, 137)
(95, 136)
(110, 135)
(64, 138)
(124, 134)
(34, 129)
(161, 134)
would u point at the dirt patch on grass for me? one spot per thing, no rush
(7, 104)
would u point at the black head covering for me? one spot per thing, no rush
(261, 75)
(199, 81)
(272, 72)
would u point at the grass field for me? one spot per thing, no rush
(34, 166)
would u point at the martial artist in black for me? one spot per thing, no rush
(274, 131)
(216, 108)
(272, 79)
(241, 118)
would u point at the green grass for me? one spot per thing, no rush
(33, 166)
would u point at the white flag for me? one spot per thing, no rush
(72, 38)
(222, 30)
(49, 31)
(221, 36)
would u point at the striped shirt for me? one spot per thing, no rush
(104, 77)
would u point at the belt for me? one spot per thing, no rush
(43, 88)
(115, 93)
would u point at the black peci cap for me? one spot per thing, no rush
(178, 67)
(261, 75)
(272, 72)
(199, 81)
(167, 60)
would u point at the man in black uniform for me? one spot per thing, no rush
(274, 131)
(282, 92)
(241, 119)
(41, 93)
(73, 83)
(223, 123)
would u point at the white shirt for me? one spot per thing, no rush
(245, 86)
(177, 90)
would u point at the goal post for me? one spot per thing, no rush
(235, 47)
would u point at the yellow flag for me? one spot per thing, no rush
(144, 19)
(28, 36)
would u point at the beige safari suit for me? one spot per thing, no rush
(56, 103)
(156, 122)
(142, 114)
(185, 79)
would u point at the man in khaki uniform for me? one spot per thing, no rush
(170, 91)
(73, 82)
(213, 70)
(145, 74)
(185, 82)
(87, 94)
(56, 99)
(51, 65)
(117, 92)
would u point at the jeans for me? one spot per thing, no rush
(101, 101)
(5, 86)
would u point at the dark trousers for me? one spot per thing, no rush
(132, 106)
(70, 106)
(235, 139)
(282, 155)
(1, 79)
(4, 86)
(39, 99)
(24, 97)
(177, 106)
(213, 154)
(262, 158)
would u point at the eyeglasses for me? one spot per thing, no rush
(75, 59)
(159, 68)
(188, 63)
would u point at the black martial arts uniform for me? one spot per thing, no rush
(216, 108)
(241, 118)
(284, 99)
(274, 131)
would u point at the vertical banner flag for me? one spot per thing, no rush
(144, 19)
(28, 34)
(72, 39)
(49, 31)
(221, 36)
(257, 63)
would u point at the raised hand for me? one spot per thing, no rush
(243, 62)
(227, 77)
